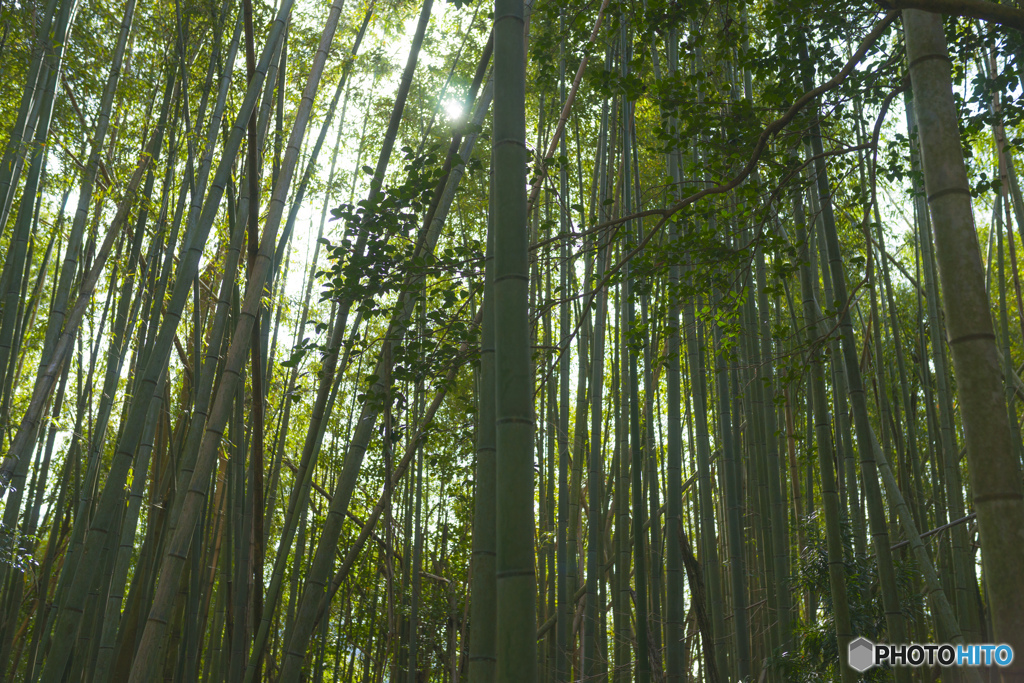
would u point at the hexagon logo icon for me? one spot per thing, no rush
(862, 654)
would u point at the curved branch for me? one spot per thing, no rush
(1004, 15)
(762, 141)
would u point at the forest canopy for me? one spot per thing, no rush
(534, 340)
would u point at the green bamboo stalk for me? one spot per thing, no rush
(994, 471)
(515, 578)
(858, 399)
(949, 453)
(620, 473)
(416, 565)
(47, 377)
(730, 474)
(829, 495)
(115, 360)
(482, 614)
(776, 471)
(593, 654)
(642, 656)
(15, 261)
(401, 312)
(146, 383)
(249, 567)
(1004, 326)
(942, 612)
(26, 122)
(313, 600)
(562, 669)
(675, 652)
(172, 563)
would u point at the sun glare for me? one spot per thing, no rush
(453, 108)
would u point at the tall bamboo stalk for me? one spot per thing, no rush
(515, 579)
(994, 471)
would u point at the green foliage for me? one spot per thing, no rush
(16, 550)
(817, 658)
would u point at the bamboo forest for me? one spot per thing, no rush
(511, 341)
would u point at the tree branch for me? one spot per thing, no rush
(1004, 15)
